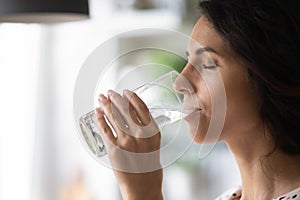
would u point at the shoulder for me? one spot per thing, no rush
(236, 193)
(293, 195)
(231, 194)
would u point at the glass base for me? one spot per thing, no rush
(91, 134)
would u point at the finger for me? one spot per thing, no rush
(139, 106)
(119, 102)
(134, 115)
(104, 127)
(107, 108)
(125, 108)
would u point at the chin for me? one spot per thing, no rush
(198, 132)
(199, 138)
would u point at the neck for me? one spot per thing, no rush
(266, 174)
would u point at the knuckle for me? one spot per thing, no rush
(105, 106)
(110, 117)
(99, 118)
(105, 129)
(101, 123)
(127, 143)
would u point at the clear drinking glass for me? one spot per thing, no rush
(165, 106)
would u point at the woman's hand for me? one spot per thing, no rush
(134, 149)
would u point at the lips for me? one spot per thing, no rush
(196, 110)
(192, 109)
(190, 103)
(191, 114)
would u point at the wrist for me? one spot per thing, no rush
(144, 190)
(157, 195)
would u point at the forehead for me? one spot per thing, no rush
(204, 35)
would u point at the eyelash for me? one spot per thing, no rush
(209, 66)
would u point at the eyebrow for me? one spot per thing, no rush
(203, 49)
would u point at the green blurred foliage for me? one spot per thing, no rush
(169, 59)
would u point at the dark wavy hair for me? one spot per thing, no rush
(266, 35)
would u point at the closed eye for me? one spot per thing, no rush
(209, 66)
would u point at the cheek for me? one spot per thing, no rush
(207, 125)
(242, 111)
(242, 107)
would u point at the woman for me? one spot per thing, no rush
(256, 47)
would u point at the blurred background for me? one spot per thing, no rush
(41, 156)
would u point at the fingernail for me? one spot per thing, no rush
(97, 110)
(110, 92)
(126, 92)
(101, 97)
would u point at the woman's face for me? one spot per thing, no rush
(218, 83)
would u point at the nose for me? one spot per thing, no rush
(182, 83)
